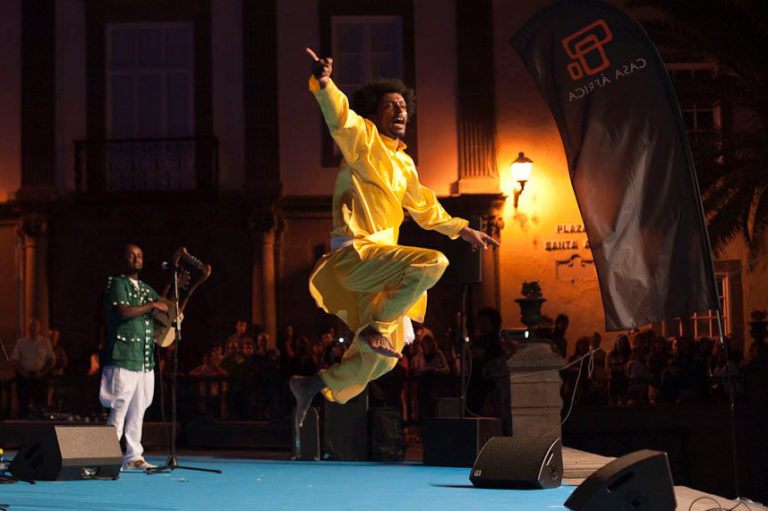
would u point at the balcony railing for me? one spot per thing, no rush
(147, 165)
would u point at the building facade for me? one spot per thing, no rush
(170, 124)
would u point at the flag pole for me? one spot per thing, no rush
(731, 401)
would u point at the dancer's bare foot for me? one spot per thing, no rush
(304, 389)
(378, 342)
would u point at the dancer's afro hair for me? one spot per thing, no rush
(366, 99)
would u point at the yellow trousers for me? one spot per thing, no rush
(372, 284)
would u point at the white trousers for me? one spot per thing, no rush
(128, 394)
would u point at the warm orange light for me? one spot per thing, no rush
(521, 173)
(521, 168)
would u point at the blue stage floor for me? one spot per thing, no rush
(248, 484)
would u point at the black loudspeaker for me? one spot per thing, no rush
(345, 430)
(519, 462)
(455, 442)
(449, 406)
(308, 446)
(466, 265)
(640, 481)
(65, 453)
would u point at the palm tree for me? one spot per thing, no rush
(732, 163)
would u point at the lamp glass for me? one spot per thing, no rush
(521, 171)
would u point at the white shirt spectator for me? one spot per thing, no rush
(32, 354)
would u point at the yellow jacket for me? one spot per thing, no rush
(377, 178)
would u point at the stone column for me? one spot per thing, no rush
(263, 281)
(535, 401)
(268, 303)
(477, 107)
(33, 278)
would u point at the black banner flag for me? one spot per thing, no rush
(629, 160)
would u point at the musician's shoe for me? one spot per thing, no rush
(138, 464)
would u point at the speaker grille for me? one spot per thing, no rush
(57, 453)
(640, 481)
(519, 462)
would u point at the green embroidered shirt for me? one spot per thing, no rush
(129, 343)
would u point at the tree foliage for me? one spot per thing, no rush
(732, 164)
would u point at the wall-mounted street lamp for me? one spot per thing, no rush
(521, 172)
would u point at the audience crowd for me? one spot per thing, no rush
(245, 376)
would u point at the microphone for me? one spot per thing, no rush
(170, 266)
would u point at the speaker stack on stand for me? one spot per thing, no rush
(452, 439)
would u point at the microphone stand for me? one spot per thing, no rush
(463, 349)
(172, 463)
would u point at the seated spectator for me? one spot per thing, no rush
(250, 380)
(413, 414)
(704, 352)
(756, 382)
(482, 349)
(412, 349)
(241, 334)
(430, 360)
(570, 374)
(210, 377)
(266, 361)
(305, 363)
(617, 361)
(334, 352)
(317, 352)
(657, 362)
(644, 341)
(692, 371)
(671, 383)
(637, 376)
(429, 366)
(235, 367)
(211, 366)
(327, 341)
(33, 359)
(599, 377)
(389, 391)
(558, 334)
(285, 341)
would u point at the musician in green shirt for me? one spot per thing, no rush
(127, 359)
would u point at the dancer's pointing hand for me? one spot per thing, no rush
(321, 68)
(477, 239)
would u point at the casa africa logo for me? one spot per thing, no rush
(586, 49)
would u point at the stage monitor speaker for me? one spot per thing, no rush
(640, 481)
(345, 430)
(66, 453)
(519, 462)
(308, 446)
(455, 442)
